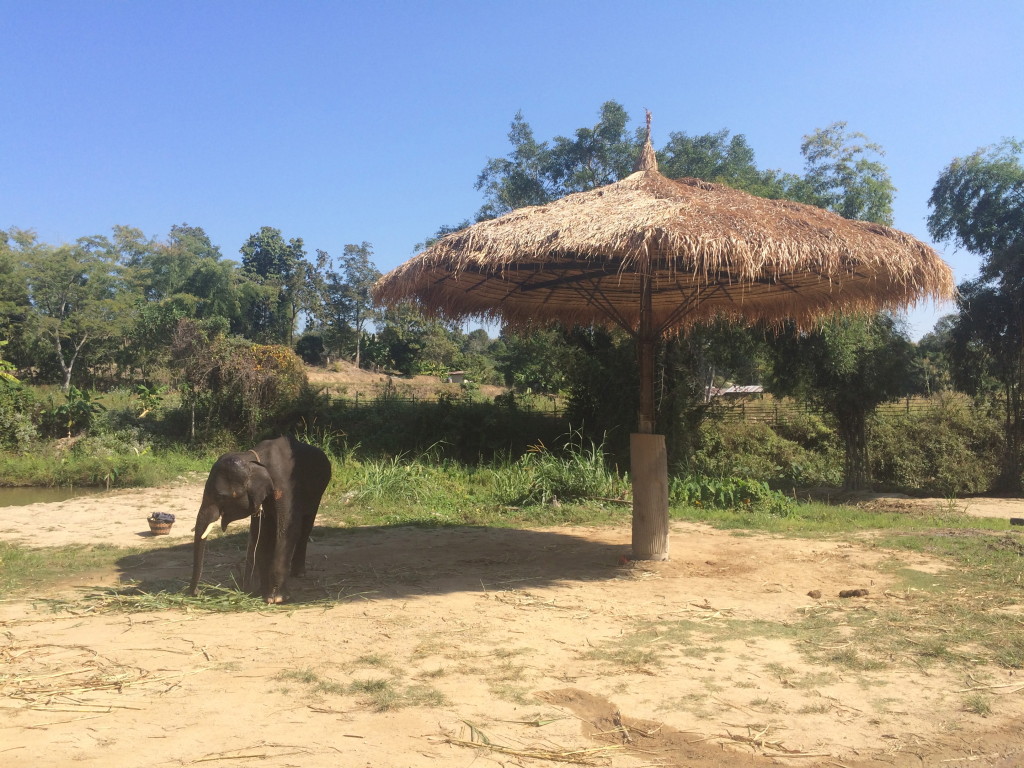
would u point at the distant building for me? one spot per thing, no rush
(455, 377)
(733, 393)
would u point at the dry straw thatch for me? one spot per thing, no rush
(709, 251)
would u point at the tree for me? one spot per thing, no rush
(537, 361)
(78, 298)
(400, 339)
(241, 385)
(849, 365)
(846, 367)
(978, 204)
(14, 300)
(534, 173)
(522, 178)
(346, 306)
(844, 174)
(722, 159)
(280, 284)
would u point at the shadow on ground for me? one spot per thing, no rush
(398, 562)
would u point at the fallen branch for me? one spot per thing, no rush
(1018, 685)
(577, 756)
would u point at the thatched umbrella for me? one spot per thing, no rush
(654, 256)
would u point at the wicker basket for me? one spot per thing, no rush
(159, 528)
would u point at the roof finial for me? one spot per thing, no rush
(647, 161)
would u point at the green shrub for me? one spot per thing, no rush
(75, 414)
(19, 409)
(755, 451)
(730, 493)
(951, 448)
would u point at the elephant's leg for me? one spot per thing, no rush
(265, 546)
(278, 561)
(251, 568)
(299, 558)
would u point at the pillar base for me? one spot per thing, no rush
(649, 472)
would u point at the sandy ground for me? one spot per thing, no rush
(546, 643)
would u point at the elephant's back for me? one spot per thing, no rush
(314, 465)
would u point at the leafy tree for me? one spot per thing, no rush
(280, 284)
(537, 361)
(78, 298)
(595, 156)
(522, 178)
(14, 300)
(978, 204)
(411, 343)
(844, 174)
(722, 159)
(346, 306)
(183, 277)
(847, 367)
(244, 386)
(188, 263)
(933, 364)
(534, 173)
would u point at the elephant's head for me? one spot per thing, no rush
(237, 486)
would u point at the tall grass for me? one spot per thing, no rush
(576, 472)
(93, 464)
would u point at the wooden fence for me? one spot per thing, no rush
(766, 409)
(771, 411)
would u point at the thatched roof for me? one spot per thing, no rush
(711, 251)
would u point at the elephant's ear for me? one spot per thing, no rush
(261, 486)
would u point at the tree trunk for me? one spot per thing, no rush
(648, 459)
(853, 429)
(1009, 480)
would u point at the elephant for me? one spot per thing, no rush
(278, 484)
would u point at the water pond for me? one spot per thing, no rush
(19, 497)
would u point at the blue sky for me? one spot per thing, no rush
(340, 122)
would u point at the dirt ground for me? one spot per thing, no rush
(476, 646)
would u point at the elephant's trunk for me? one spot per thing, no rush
(205, 520)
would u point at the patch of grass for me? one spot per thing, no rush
(436, 645)
(780, 671)
(629, 658)
(372, 660)
(811, 680)
(312, 680)
(132, 599)
(978, 704)
(509, 653)
(818, 708)
(766, 704)
(23, 568)
(383, 694)
(101, 462)
(508, 691)
(814, 518)
(419, 695)
(694, 703)
(851, 659)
